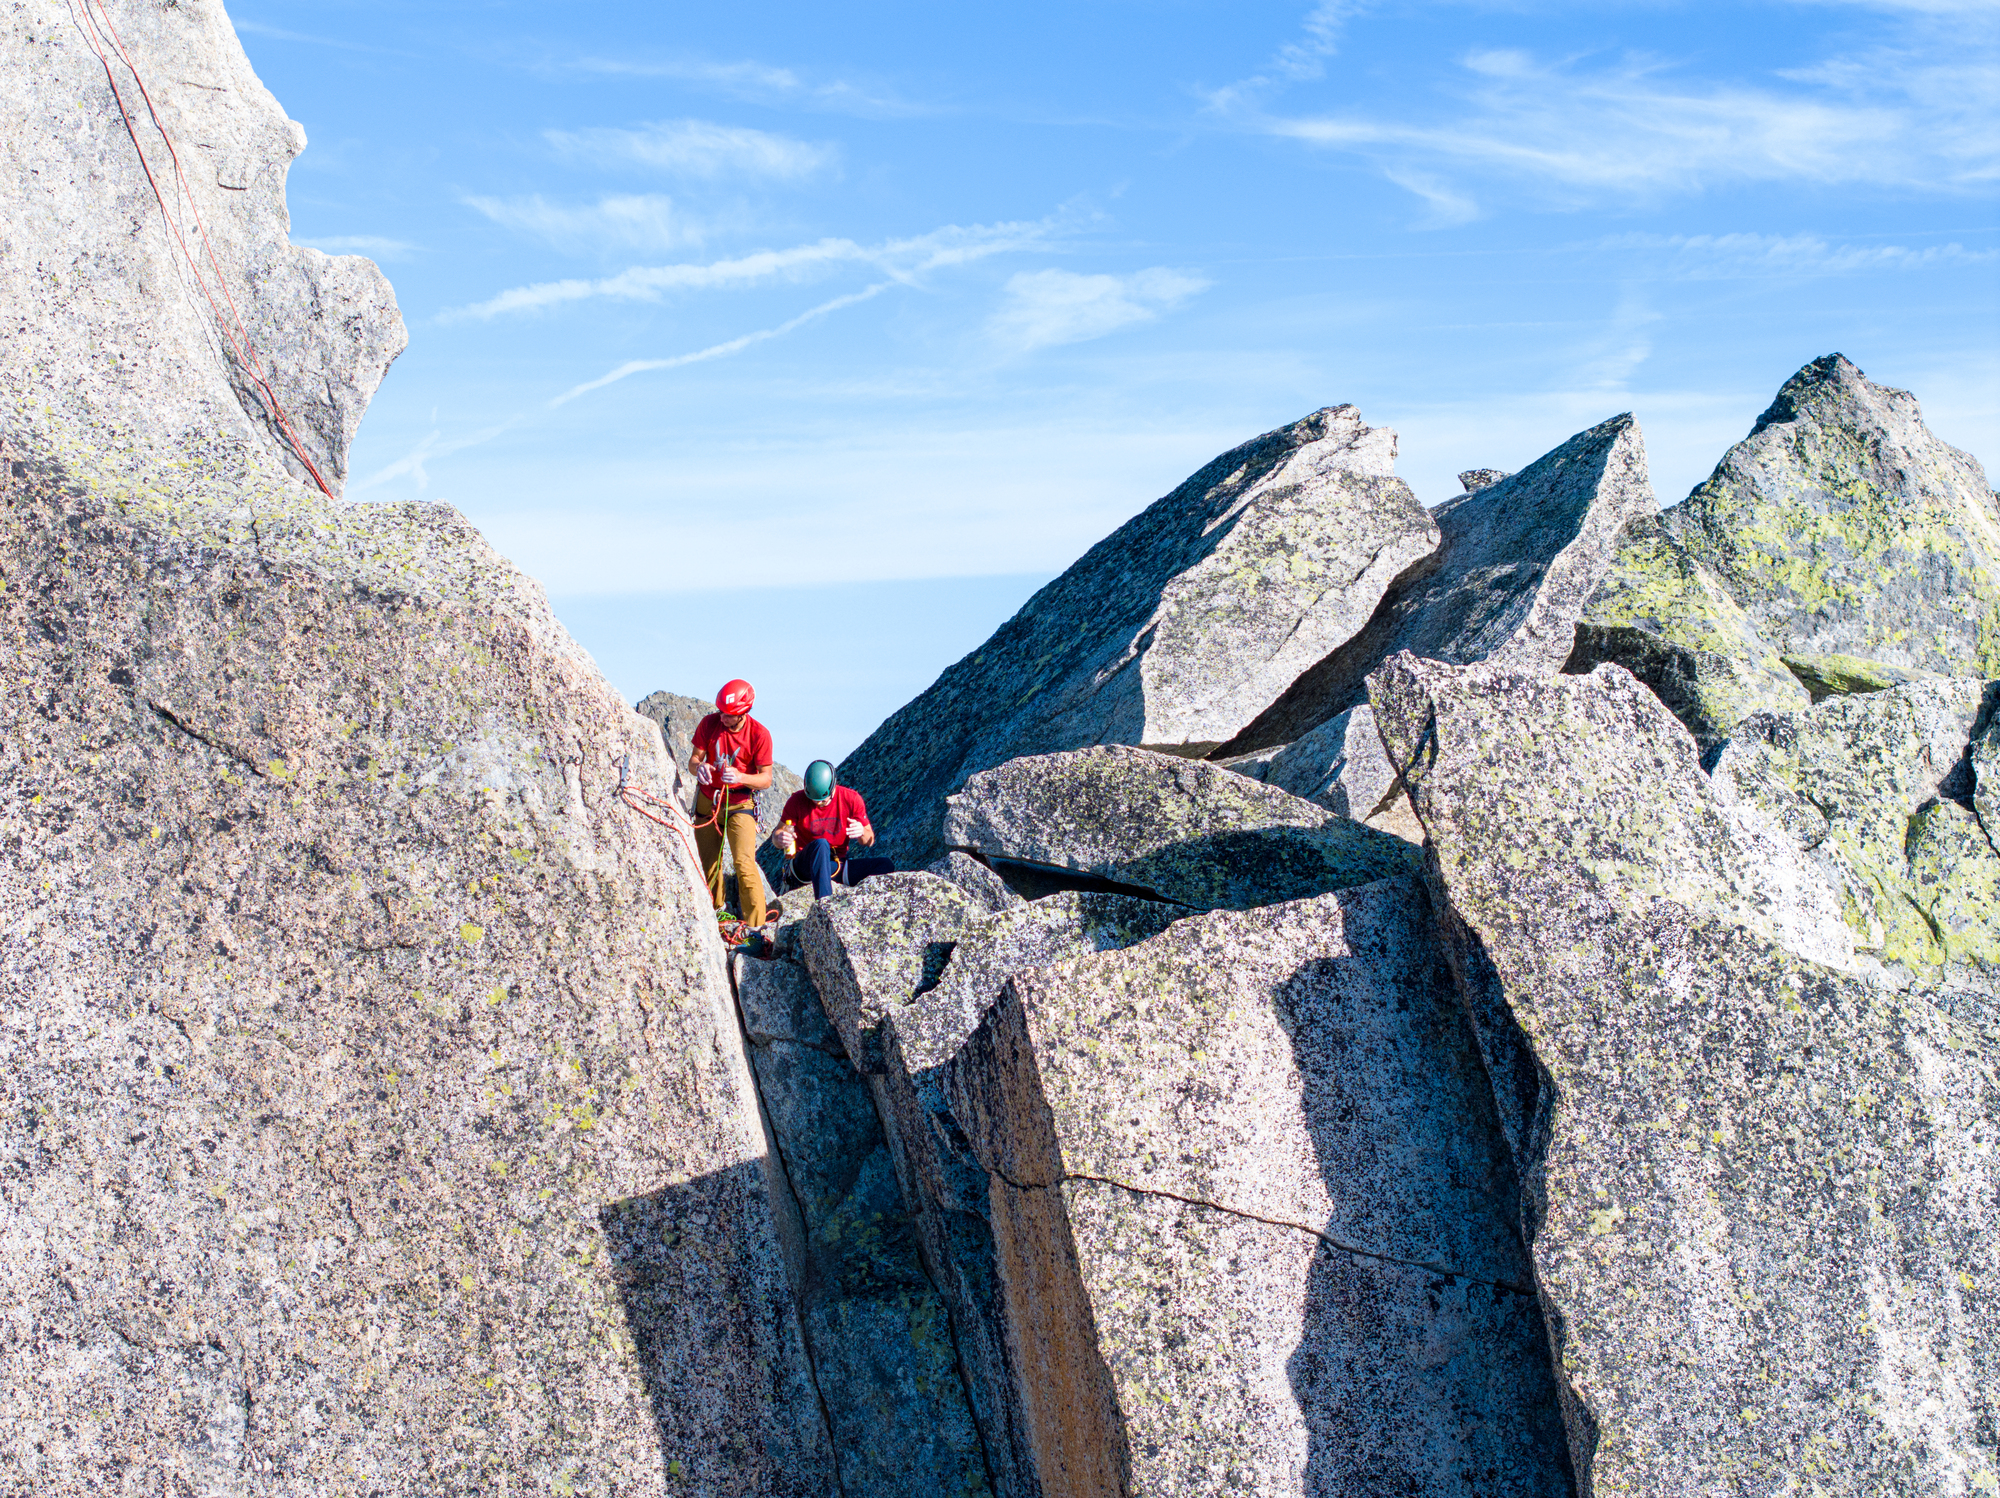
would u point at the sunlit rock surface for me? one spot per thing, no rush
(1175, 631)
(1845, 528)
(1228, 1207)
(1762, 1194)
(1518, 560)
(376, 1114)
(1879, 791)
(1184, 830)
(1664, 616)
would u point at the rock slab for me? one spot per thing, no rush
(1229, 1208)
(374, 1111)
(1845, 528)
(1760, 1193)
(1183, 830)
(1517, 562)
(1175, 631)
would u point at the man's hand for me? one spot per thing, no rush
(705, 773)
(787, 841)
(731, 775)
(860, 832)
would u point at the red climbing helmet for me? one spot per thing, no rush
(735, 697)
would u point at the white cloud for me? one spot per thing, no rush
(899, 259)
(1306, 57)
(761, 83)
(1722, 256)
(699, 148)
(372, 245)
(1047, 307)
(646, 221)
(1448, 206)
(1923, 114)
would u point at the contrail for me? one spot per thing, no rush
(640, 366)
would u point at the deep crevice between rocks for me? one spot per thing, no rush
(1035, 881)
(794, 1226)
(798, 1281)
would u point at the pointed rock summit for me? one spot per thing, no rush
(1844, 527)
(1175, 631)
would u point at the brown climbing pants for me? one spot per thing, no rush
(743, 847)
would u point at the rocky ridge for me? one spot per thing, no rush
(1509, 1073)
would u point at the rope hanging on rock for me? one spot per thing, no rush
(233, 328)
(638, 800)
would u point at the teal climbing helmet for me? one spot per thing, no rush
(819, 780)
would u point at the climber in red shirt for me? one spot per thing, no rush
(732, 762)
(818, 827)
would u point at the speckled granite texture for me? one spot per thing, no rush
(374, 1112)
(1761, 1192)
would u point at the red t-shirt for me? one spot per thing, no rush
(828, 821)
(748, 749)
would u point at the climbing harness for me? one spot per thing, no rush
(232, 326)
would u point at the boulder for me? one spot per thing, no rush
(1518, 561)
(1844, 528)
(1339, 765)
(1229, 1208)
(101, 367)
(873, 946)
(883, 1358)
(375, 1111)
(1475, 479)
(1175, 631)
(976, 879)
(1663, 616)
(875, 962)
(1878, 792)
(1761, 1194)
(1182, 830)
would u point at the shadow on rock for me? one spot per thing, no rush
(1423, 1364)
(661, 1247)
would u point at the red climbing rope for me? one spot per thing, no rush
(638, 800)
(233, 328)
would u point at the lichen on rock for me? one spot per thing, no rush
(1663, 616)
(1845, 528)
(1760, 1192)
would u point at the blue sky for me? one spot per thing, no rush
(803, 342)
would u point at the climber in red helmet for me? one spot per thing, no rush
(731, 763)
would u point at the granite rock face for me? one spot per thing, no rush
(876, 963)
(1339, 765)
(1844, 527)
(1518, 561)
(1878, 790)
(1175, 631)
(976, 879)
(1194, 833)
(1228, 1208)
(1663, 615)
(103, 367)
(884, 1361)
(375, 1111)
(1761, 1193)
